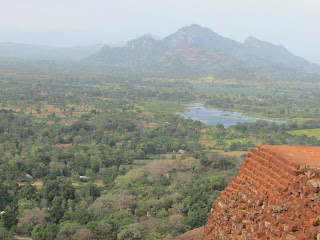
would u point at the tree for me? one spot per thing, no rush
(5, 197)
(30, 219)
(8, 219)
(131, 232)
(50, 189)
(83, 234)
(39, 233)
(129, 178)
(71, 111)
(67, 230)
(220, 130)
(103, 231)
(58, 209)
(52, 231)
(196, 218)
(30, 192)
(107, 203)
(4, 234)
(67, 191)
(192, 163)
(80, 216)
(24, 204)
(110, 175)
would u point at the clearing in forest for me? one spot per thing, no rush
(309, 132)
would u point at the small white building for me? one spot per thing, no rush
(29, 176)
(181, 151)
(84, 178)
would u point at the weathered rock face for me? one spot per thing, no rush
(194, 234)
(275, 196)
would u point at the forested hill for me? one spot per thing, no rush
(199, 51)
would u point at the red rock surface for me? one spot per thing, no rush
(194, 234)
(275, 196)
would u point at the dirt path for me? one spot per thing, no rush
(21, 238)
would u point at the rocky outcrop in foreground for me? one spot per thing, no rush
(275, 196)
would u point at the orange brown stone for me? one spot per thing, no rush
(275, 196)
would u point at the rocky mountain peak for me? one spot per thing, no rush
(197, 49)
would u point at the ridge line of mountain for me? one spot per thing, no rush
(196, 51)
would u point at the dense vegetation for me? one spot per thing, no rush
(103, 155)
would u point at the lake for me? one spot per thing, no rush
(212, 116)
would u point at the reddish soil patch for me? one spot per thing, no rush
(37, 184)
(70, 122)
(195, 234)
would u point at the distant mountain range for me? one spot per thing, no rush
(192, 51)
(199, 51)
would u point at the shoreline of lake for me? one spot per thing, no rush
(212, 116)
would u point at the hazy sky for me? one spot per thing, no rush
(292, 23)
